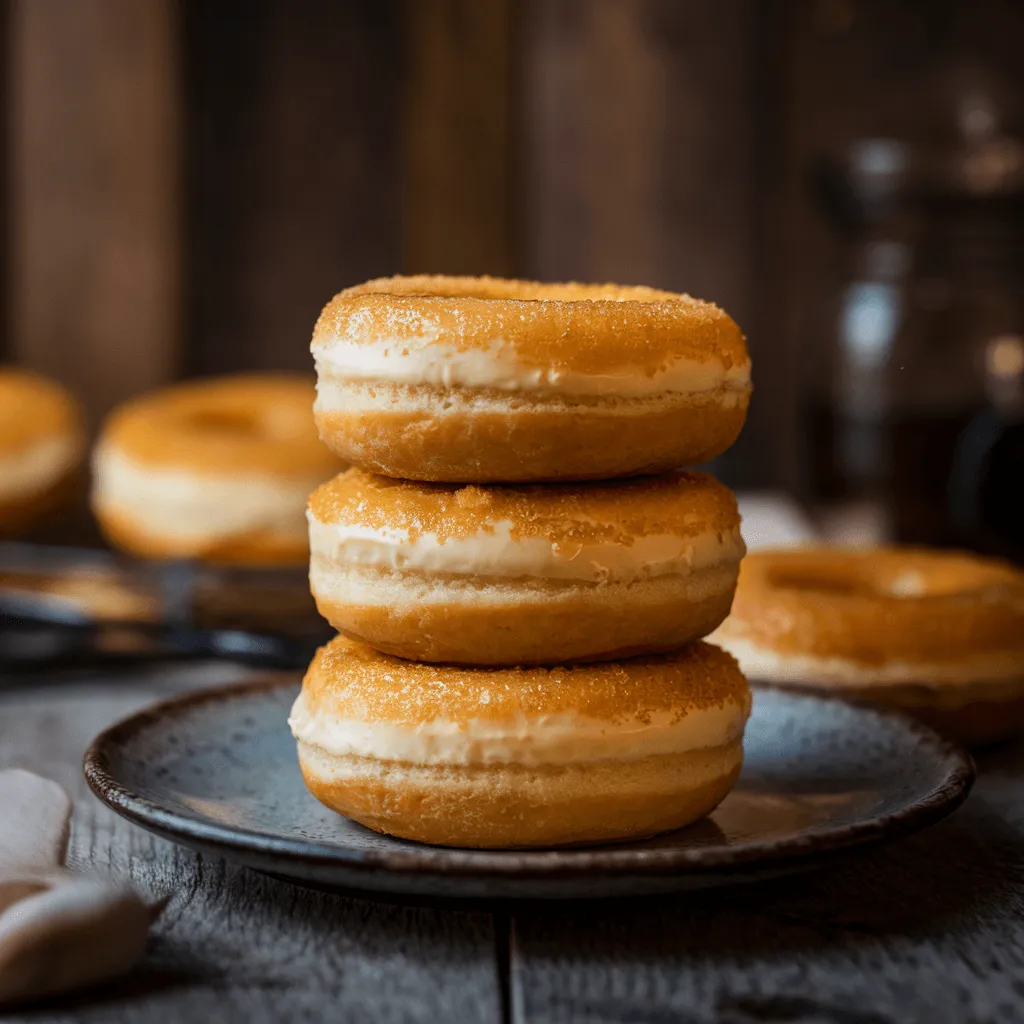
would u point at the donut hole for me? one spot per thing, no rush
(861, 579)
(852, 581)
(242, 424)
(822, 580)
(230, 422)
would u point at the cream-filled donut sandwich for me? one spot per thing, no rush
(502, 575)
(936, 633)
(217, 469)
(484, 379)
(520, 757)
(41, 445)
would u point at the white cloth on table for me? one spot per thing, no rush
(59, 930)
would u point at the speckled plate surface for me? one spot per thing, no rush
(217, 771)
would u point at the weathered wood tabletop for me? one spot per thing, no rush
(930, 929)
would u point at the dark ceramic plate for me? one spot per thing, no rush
(217, 771)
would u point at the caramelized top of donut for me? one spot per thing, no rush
(352, 680)
(589, 329)
(684, 504)
(879, 605)
(238, 424)
(33, 409)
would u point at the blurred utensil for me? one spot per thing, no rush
(70, 607)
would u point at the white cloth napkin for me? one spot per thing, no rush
(59, 930)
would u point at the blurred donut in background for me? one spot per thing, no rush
(41, 446)
(938, 634)
(217, 470)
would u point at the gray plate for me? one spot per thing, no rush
(217, 771)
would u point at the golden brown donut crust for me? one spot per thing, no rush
(585, 441)
(572, 623)
(262, 548)
(255, 423)
(348, 679)
(681, 504)
(428, 432)
(509, 807)
(853, 605)
(585, 328)
(33, 409)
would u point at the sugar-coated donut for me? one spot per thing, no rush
(216, 469)
(520, 757)
(41, 445)
(534, 574)
(484, 379)
(939, 634)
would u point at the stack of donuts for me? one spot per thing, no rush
(519, 573)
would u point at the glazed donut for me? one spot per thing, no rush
(501, 575)
(465, 379)
(520, 757)
(217, 469)
(939, 634)
(41, 444)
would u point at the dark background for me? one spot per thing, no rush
(186, 183)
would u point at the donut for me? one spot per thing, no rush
(41, 444)
(938, 634)
(218, 470)
(523, 756)
(534, 574)
(466, 379)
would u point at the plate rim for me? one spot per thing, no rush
(521, 864)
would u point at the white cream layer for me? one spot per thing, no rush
(33, 469)
(195, 507)
(760, 663)
(498, 554)
(497, 366)
(334, 395)
(565, 738)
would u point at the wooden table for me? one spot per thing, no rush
(930, 929)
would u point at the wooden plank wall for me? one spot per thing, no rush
(292, 170)
(641, 159)
(189, 181)
(94, 237)
(330, 143)
(461, 211)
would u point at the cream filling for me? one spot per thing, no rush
(351, 397)
(33, 469)
(764, 664)
(498, 553)
(497, 366)
(528, 741)
(195, 507)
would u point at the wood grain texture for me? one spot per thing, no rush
(460, 109)
(640, 151)
(928, 930)
(640, 142)
(292, 170)
(233, 945)
(94, 194)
